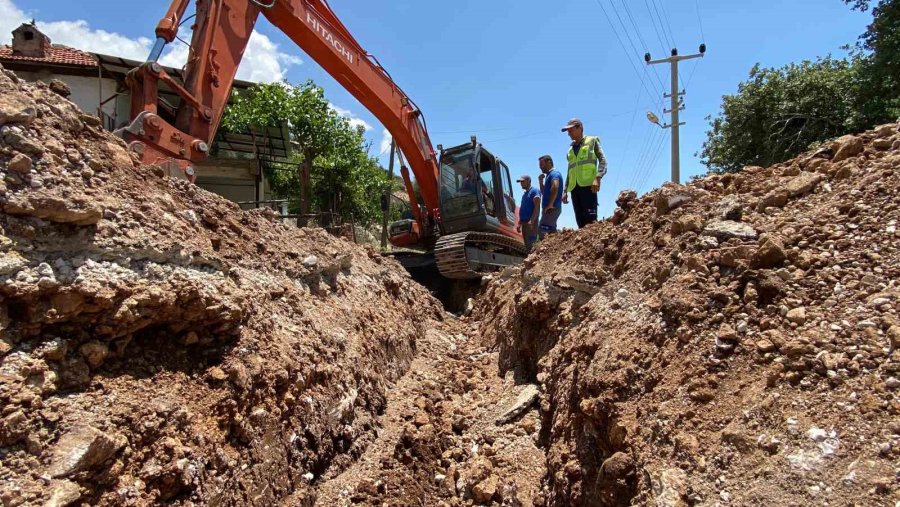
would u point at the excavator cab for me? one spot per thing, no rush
(475, 190)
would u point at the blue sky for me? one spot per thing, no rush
(513, 72)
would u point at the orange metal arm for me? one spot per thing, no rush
(315, 28)
(221, 33)
(167, 28)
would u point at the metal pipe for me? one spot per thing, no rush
(157, 50)
(100, 90)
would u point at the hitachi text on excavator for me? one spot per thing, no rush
(464, 214)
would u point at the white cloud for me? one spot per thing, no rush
(386, 139)
(78, 34)
(10, 19)
(262, 62)
(354, 121)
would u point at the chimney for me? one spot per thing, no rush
(29, 41)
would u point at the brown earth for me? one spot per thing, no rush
(728, 342)
(733, 341)
(158, 344)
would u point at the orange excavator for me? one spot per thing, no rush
(466, 219)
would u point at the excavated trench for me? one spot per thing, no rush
(585, 449)
(734, 340)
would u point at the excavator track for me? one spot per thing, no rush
(469, 255)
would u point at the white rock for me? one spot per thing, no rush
(817, 434)
(44, 270)
(308, 477)
(310, 261)
(866, 324)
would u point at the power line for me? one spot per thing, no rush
(670, 36)
(653, 162)
(639, 163)
(543, 131)
(643, 155)
(662, 27)
(650, 161)
(471, 130)
(622, 45)
(624, 29)
(700, 21)
(627, 33)
(627, 141)
(691, 76)
(653, 22)
(665, 16)
(637, 30)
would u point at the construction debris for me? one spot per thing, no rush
(740, 348)
(160, 345)
(733, 341)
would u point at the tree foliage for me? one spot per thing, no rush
(332, 170)
(878, 53)
(780, 112)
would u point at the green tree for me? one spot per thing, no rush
(777, 113)
(303, 108)
(336, 174)
(878, 53)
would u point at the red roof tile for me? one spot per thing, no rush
(58, 54)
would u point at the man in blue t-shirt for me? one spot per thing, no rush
(552, 192)
(528, 212)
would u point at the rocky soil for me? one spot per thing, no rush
(733, 341)
(160, 345)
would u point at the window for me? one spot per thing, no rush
(28, 35)
(487, 187)
(459, 184)
(508, 197)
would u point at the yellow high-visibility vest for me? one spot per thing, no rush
(583, 165)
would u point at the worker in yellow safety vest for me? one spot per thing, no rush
(587, 166)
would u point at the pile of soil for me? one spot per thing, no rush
(733, 341)
(157, 344)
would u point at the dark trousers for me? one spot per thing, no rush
(529, 235)
(584, 202)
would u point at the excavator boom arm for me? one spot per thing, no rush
(222, 31)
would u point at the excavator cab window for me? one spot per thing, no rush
(509, 202)
(486, 168)
(460, 183)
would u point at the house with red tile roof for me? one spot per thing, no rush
(97, 85)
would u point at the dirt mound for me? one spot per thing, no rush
(733, 341)
(160, 345)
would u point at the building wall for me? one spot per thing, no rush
(86, 94)
(232, 179)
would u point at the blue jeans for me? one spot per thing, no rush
(548, 222)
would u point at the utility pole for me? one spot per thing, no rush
(386, 199)
(677, 104)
